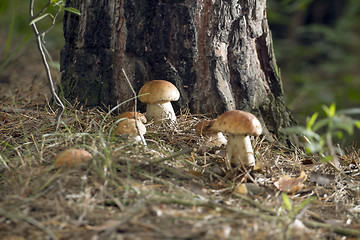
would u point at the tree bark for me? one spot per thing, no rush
(218, 53)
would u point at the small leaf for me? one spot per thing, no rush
(326, 110)
(329, 111)
(73, 10)
(287, 202)
(311, 121)
(339, 134)
(328, 158)
(40, 17)
(357, 124)
(332, 110)
(303, 204)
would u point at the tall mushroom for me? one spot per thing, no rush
(240, 125)
(205, 128)
(158, 97)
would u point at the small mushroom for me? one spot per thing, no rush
(158, 97)
(128, 127)
(131, 115)
(240, 125)
(205, 128)
(71, 157)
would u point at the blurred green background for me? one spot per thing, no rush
(317, 45)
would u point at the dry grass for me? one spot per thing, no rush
(174, 188)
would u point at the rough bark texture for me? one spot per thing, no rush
(217, 52)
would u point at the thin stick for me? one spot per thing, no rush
(47, 68)
(135, 107)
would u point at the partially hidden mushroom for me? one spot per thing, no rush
(72, 157)
(131, 115)
(133, 128)
(240, 126)
(158, 94)
(205, 129)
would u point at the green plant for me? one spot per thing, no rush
(294, 213)
(60, 5)
(319, 134)
(317, 51)
(11, 49)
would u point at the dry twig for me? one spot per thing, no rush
(47, 67)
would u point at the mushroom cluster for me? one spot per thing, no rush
(158, 94)
(237, 124)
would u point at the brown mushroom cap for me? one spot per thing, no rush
(131, 115)
(128, 126)
(205, 127)
(72, 157)
(160, 91)
(238, 122)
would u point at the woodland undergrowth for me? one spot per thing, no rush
(176, 187)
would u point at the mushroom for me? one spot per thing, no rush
(131, 115)
(205, 128)
(72, 157)
(240, 125)
(128, 127)
(160, 93)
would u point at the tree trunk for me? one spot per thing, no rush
(217, 52)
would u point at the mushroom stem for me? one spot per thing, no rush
(139, 139)
(218, 139)
(239, 151)
(160, 111)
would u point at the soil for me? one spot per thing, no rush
(176, 187)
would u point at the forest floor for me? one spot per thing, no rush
(176, 187)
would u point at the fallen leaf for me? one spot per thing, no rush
(241, 189)
(259, 167)
(289, 184)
